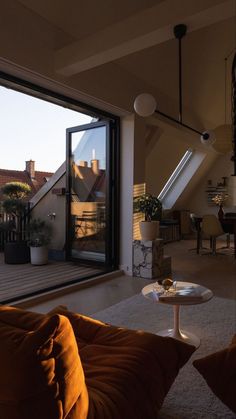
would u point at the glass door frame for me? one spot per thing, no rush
(112, 192)
(54, 94)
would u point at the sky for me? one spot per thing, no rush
(33, 129)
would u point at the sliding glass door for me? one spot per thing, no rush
(90, 193)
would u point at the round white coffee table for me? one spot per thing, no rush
(186, 293)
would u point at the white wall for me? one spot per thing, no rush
(126, 193)
(197, 201)
(56, 204)
(132, 174)
(161, 162)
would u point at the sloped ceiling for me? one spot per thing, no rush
(115, 50)
(84, 18)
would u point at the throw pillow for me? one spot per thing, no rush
(41, 372)
(128, 372)
(219, 371)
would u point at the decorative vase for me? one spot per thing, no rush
(149, 230)
(221, 212)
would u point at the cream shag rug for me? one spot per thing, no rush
(214, 322)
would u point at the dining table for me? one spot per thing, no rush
(229, 226)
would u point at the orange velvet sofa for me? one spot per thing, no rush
(66, 365)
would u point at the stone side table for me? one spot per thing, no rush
(149, 260)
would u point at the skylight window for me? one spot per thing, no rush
(176, 174)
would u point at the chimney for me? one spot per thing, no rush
(83, 163)
(95, 166)
(29, 167)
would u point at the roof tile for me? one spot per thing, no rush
(23, 176)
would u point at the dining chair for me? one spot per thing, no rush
(212, 228)
(196, 228)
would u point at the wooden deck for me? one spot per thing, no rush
(19, 281)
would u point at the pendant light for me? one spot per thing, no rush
(145, 104)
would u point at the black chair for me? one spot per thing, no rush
(228, 228)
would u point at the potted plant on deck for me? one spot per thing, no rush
(39, 237)
(151, 207)
(15, 204)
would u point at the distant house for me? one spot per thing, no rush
(88, 183)
(32, 177)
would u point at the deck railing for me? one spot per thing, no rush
(7, 228)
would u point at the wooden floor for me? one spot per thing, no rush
(18, 281)
(215, 272)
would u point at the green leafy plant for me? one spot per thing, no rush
(40, 233)
(149, 205)
(15, 203)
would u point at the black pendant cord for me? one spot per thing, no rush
(225, 90)
(234, 112)
(181, 123)
(180, 81)
(179, 32)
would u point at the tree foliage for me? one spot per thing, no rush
(15, 193)
(14, 202)
(16, 190)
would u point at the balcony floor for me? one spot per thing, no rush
(18, 281)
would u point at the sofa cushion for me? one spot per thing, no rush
(128, 373)
(22, 319)
(219, 371)
(41, 372)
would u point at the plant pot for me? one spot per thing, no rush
(16, 252)
(149, 230)
(39, 255)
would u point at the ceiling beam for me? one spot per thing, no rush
(143, 30)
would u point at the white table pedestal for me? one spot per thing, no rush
(185, 293)
(179, 334)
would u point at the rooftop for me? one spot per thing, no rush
(35, 179)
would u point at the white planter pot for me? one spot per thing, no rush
(39, 255)
(149, 230)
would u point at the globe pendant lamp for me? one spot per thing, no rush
(145, 104)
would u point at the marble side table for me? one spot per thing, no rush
(148, 259)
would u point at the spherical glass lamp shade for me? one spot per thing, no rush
(224, 135)
(208, 138)
(145, 104)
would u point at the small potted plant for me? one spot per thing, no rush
(39, 237)
(151, 207)
(15, 204)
